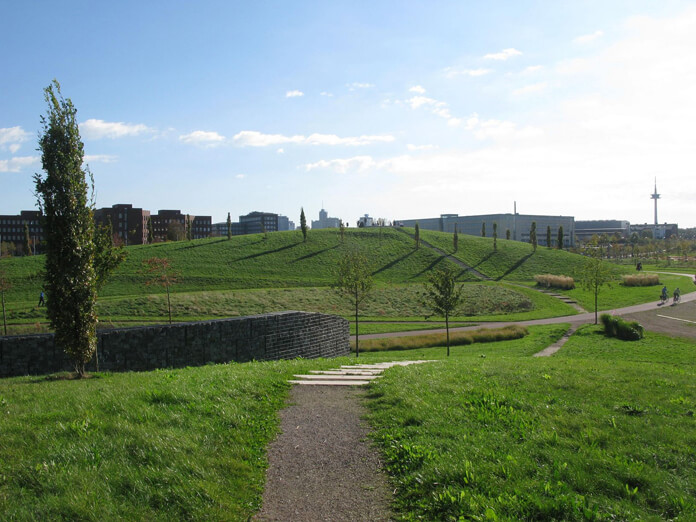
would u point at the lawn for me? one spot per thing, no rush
(603, 430)
(164, 445)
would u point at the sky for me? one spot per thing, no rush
(396, 109)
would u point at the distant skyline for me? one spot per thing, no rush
(401, 110)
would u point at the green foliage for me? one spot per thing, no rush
(559, 241)
(533, 235)
(4, 286)
(342, 230)
(483, 229)
(70, 279)
(443, 296)
(107, 256)
(229, 226)
(495, 237)
(594, 276)
(624, 330)
(303, 224)
(27, 240)
(507, 234)
(548, 237)
(354, 281)
(416, 236)
(455, 239)
(150, 231)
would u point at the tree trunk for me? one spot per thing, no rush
(4, 319)
(447, 328)
(357, 350)
(595, 304)
(169, 306)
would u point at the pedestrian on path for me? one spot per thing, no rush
(41, 299)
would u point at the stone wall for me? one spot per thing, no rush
(283, 335)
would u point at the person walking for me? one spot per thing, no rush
(41, 299)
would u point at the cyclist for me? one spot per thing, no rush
(663, 297)
(677, 295)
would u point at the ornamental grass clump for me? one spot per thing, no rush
(482, 335)
(624, 330)
(555, 281)
(641, 280)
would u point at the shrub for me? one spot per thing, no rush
(624, 330)
(555, 281)
(482, 335)
(641, 280)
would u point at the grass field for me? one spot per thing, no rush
(603, 430)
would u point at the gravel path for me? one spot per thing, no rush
(322, 466)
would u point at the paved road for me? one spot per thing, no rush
(572, 319)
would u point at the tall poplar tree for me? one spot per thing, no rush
(483, 229)
(27, 240)
(417, 236)
(559, 246)
(533, 235)
(303, 224)
(495, 236)
(548, 236)
(455, 239)
(70, 278)
(229, 226)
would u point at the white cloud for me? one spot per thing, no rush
(437, 107)
(258, 139)
(503, 55)
(203, 138)
(343, 165)
(451, 72)
(280, 151)
(294, 94)
(530, 89)
(100, 158)
(587, 38)
(417, 89)
(358, 85)
(11, 138)
(328, 94)
(240, 176)
(98, 129)
(18, 163)
(532, 69)
(413, 147)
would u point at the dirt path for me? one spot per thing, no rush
(322, 466)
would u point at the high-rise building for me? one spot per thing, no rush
(325, 221)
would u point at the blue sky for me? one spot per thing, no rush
(396, 109)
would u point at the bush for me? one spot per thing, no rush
(555, 281)
(641, 280)
(482, 335)
(624, 330)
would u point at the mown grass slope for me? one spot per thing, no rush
(513, 260)
(603, 430)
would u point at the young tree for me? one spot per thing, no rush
(483, 229)
(354, 280)
(455, 239)
(548, 236)
(342, 230)
(416, 236)
(150, 231)
(70, 279)
(175, 231)
(507, 234)
(443, 296)
(160, 273)
(229, 226)
(303, 224)
(595, 274)
(27, 240)
(107, 256)
(495, 237)
(559, 246)
(4, 286)
(189, 227)
(533, 235)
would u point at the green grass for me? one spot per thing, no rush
(165, 445)
(618, 296)
(603, 430)
(513, 260)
